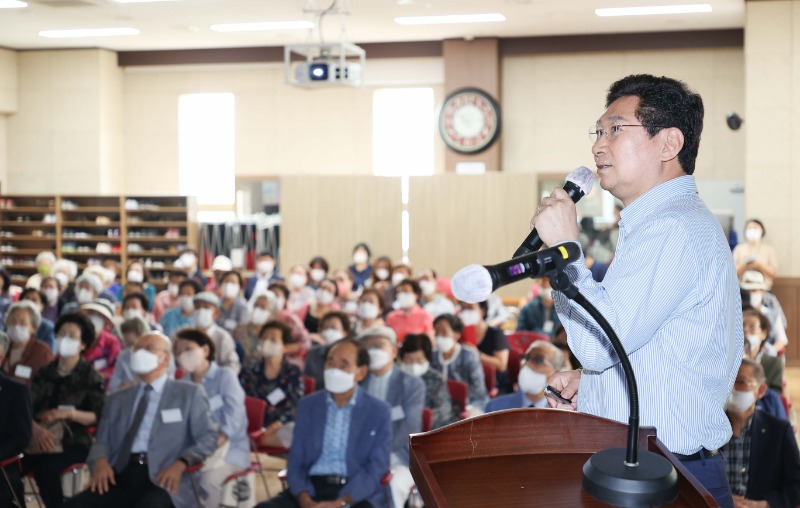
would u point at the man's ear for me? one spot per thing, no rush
(672, 144)
(762, 390)
(361, 373)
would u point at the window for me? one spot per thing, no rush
(403, 121)
(206, 154)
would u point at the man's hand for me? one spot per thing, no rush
(556, 219)
(221, 439)
(43, 438)
(566, 383)
(102, 476)
(305, 500)
(741, 502)
(170, 478)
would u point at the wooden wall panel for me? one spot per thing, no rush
(788, 292)
(457, 220)
(328, 215)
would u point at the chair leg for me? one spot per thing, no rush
(254, 449)
(34, 490)
(11, 488)
(196, 491)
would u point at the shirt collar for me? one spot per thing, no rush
(158, 384)
(650, 201)
(351, 402)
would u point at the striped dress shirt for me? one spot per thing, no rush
(672, 296)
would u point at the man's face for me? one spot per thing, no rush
(745, 381)
(155, 345)
(627, 164)
(134, 304)
(344, 356)
(332, 323)
(382, 343)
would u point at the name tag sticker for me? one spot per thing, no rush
(230, 324)
(215, 402)
(67, 408)
(171, 415)
(547, 327)
(23, 371)
(100, 364)
(276, 396)
(398, 413)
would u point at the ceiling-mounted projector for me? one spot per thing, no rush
(324, 65)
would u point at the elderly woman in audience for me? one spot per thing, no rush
(754, 254)
(195, 353)
(136, 304)
(360, 270)
(272, 378)
(766, 303)
(233, 310)
(44, 332)
(459, 363)
(409, 317)
(68, 398)
(139, 274)
(381, 275)
(371, 306)
(325, 302)
(300, 336)
(51, 289)
(107, 279)
(347, 297)
(44, 267)
(182, 315)
(319, 270)
(491, 342)
(300, 295)
(756, 331)
(26, 355)
(434, 302)
(168, 298)
(123, 377)
(415, 358)
(88, 288)
(102, 353)
(260, 308)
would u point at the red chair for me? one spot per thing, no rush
(514, 364)
(520, 340)
(427, 419)
(191, 470)
(16, 459)
(309, 385)
(255, 409)
(179, 373)
(459, 392)
(490, 379)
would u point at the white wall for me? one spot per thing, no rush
(8, 105)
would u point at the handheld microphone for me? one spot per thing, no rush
(474, 283)
(578, 184)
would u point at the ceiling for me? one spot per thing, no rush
(184, 24)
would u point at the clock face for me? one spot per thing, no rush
(469, 121)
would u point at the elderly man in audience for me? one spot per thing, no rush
(762, 456)
(405, 395)
(195, 353)
(44, 332)
(206, 305)
(102, 354)
(26, 355)
(168, 298)
(415, 359)
(334, 326)
(182, 315)
(342, 439)
(541, 361)
(15, 429)
(123, 376)
(148, 435)
(265, 275)
(68, 396)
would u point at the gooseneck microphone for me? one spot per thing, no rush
(578, 184)
(474, 283)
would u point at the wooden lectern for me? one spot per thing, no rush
(526, 457)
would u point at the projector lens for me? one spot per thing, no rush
(318, 72)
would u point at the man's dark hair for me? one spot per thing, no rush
(416, 342)
(83, 322)
(454, 321)
(362, 356)
(278, 287)
(763, 320)
(137, 296)
(341, 316)
(665, 102)
(190, 282)
(321, 261)
(414, 285)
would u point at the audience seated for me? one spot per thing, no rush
(168, 298)
(107, 279)
(65, 271)
(182, 315)
(26, 354)
(270, 377)
(762, 455)
(44, 267)
(334, 326)
(300, 295)
(405, 394)
(265, 274)
(754, 254)
(195, 354)
(137, 273)
(148, 435)
(51, 289)
(381, 277)
(459, 363)
(259, 312)
(188, 262)
(300, 336)
(318, 270)
(321, 303)
(88, 288)
(360, 270)
(415, 359)
(539, 315)
(123, 377)
(102, 354)
(68, 396)
(541, 360)
(233, 309)
(136, 304)
(15, 428)
(44, 332)
(434, 302)
(342, 439)
(409, 317)
(490, 342)
(766, 303)
(206, 305)
(756, 331)
(371, 307)
(346, 297)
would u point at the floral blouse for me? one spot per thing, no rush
(282, 393)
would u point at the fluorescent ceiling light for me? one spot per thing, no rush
(444, 20)
(655, 9)
(262, 26)
(141, 1)
(88, 32)
(12, 4)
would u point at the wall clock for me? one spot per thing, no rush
(469, 121)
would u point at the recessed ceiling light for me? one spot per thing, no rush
(262, 26)
(88, 32)
(444, 20)
(12, 4)
(655, 9)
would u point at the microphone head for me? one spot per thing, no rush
(472, 284)
(583, 178)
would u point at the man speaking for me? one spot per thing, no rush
(671, 293)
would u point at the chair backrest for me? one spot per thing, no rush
(514, 359)
(427, 419)
(490, 378)
(520, 340)
(255, 409)
(459, 392)
(179, 373)
(309, 385)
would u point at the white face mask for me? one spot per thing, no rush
(755, 342)
(297, 280)
(173, 289)
(339, 381)
(428, 287)
(415, 369)
(230, 290)
(19, 333)
(191, 359)
(756, 298)
(546, 293)
(203, 318)
(269, 349)
(98, 323)
(67, 346)
(188, 260)
(260, 316)
(406, 300)
(360, 258)
(367, 310)
(382, 273)
(397, 278)
(131, 313)
(324, 297)
(752, 234)
(144, 362)
(332, 335)
(317, 274)
(531, 381)
(52, 295)
(62, 278)
(135, 276)
(85, 296)
(445, 344)
(740, 401)
(265, 267)
(186, 303)
(470, 317)
(378, 359)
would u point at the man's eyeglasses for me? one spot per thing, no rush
(596, 133)
(745, 382)
(538, 361)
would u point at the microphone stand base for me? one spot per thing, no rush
(652, 482)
